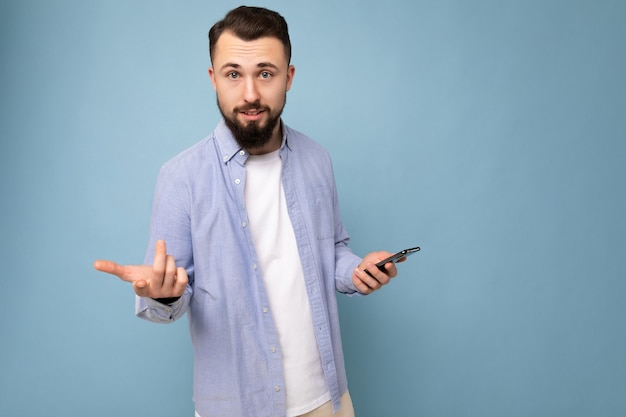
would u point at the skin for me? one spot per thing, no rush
(162, 279)
(243, 72)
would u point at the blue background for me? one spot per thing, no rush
(490, 133)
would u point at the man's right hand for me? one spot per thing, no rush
(161, 280)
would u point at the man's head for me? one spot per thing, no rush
(250, 55)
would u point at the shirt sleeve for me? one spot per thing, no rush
(170, 221)
(345, 262)
(345, 259)
(157, 312)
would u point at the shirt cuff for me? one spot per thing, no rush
(156, 311)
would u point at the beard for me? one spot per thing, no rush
(252, 135)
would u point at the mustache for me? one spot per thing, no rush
(252, 106)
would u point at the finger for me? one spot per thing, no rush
(390, 271)
(141, 288)
(169, 276)
(382, 277)
(360, 285)
(401, 260)
(367, 277)
(159, 264)
(128, 273)
(180, 283)
(111, 267)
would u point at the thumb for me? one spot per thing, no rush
(141, 288)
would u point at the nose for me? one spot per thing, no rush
(251, 92)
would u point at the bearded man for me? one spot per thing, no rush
(256, 249)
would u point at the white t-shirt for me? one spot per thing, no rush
(277, 251)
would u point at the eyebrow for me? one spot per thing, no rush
(259, 65)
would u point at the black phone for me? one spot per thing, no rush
(395, 257)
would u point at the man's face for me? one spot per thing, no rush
(251, 79)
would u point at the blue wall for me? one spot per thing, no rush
(490, 133)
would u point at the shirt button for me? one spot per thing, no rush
(277, 388)
(242, 153)
(254, 266)
(237, 181)
(244, 224)
(265, 310)
(273, 349)
(225, 157)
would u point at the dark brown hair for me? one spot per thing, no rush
(251, 23)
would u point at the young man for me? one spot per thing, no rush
(255, 245)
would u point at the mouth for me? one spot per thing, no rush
(252, 114)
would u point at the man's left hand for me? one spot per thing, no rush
(367, 278)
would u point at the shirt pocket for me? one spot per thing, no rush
(323, 214)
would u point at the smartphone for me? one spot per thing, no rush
(395, 257)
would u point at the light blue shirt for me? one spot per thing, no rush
(199, 210)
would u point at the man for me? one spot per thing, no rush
(255, 245)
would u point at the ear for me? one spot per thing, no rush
(212, 75)
(291, 71)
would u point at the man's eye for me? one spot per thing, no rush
(232, 75)
(266, 74)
